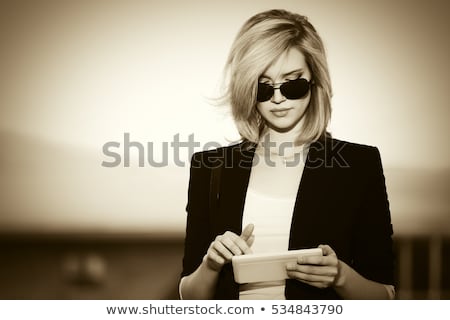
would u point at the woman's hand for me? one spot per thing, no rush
(227, 245)
(318, 271)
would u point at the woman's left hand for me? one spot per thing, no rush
(318, 271)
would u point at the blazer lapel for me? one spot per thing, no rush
(311, 188)
(233, 189)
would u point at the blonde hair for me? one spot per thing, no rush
(260, 41)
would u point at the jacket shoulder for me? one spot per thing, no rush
(215, 157)
(352, 149)
(352, 146)
(338, 153)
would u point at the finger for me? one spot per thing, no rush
(222, 250)
(239, 242)
(317, 270)
(231, 245)
(309, 277)
(312, 269)
(319, 284)
(291, 266)
(243, 245)
(327, 250)
(247, 232)
(213, 256)
(318, 260)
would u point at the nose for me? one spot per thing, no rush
(277, 96)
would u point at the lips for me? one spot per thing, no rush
(280, 112)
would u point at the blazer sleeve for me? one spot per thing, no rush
(197, 239)
(373, 255)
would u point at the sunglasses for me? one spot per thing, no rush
(292, 89)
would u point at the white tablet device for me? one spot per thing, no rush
(267, 266)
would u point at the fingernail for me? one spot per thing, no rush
(290, 266)
(300, 260)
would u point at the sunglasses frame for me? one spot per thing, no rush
(279, 86)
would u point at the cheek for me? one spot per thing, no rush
(262, 107)
(299, 105)
(267, 105)
(303, 104)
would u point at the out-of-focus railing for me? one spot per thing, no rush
(421, 265)
(120, 267)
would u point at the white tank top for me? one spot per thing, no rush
(269, 205)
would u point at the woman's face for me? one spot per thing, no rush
(280, 113)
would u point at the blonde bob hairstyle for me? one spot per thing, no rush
(260, 41)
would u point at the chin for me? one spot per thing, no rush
(283, 126)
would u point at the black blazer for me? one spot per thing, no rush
(341, 202)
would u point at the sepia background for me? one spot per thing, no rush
(76, 75)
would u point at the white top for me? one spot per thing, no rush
(269, 204)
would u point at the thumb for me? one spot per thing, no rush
(251, 240)
(327, 250)
(247, 232)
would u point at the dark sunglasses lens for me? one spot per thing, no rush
(295, 89)
(265, 92)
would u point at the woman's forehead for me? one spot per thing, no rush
(290, 62)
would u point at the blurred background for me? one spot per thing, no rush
(81, 80)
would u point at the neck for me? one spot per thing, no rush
(280, 143)
(277, 138)
(287, 138)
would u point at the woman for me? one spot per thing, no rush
(287, 185)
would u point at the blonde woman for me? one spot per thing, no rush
(288, 185)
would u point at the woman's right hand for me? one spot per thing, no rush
(227, 245)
